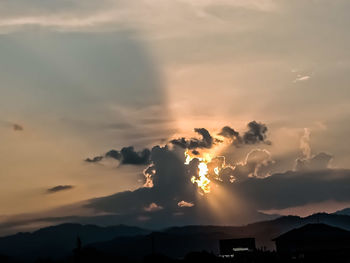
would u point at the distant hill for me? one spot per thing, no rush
(345, 211)
(59, 241)
(178, 241)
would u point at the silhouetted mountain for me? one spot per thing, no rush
(59, 241)
(315, 232)
(345, 211)
(135, 243)
(178, 241)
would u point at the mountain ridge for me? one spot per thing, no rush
(59, 241)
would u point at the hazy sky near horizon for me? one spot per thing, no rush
(79, 78)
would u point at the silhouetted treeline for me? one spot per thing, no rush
(91, 255)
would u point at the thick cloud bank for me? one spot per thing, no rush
(230, 202)
(239, 190)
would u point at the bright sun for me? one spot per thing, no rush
(202, 180)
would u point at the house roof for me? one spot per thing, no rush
(314, 232)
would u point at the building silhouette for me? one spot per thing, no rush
(236, 246)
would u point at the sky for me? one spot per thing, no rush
(153, 79)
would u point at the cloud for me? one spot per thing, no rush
(307, 161)
(305, 143)
(60, 14)
(172, 185)
(96, 159)
(59, 188)
(17, 127)
(256, 133)
(228, 132)
(153, 207)
(68, 15)
(207, 140)
(195, 152)
(185, 204)
(319, 161)
(130, 156)
(114, 154)
(301, 78)
(252, 166)
(249, 183)
(168, 185)
(239, 204)
(167, 179)
(149, 172)
(295, 188)
(127, 155)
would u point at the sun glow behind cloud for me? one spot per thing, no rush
(205, 158)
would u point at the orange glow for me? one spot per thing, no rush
(202, 181)
(216, 171)
(209, 168)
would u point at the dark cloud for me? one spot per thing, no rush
(182, 142)
(256, 133)
(96, 159)
(228, 132)
(207, 140)
(244, 188)
(114, 154)
(17, 127)
(168, 180)
(195, 152)
(130, 156)
(59, 188)
(295, 188)
(171, 185)
(278, 191)
(248, 184)
(126, 155)
(163, 205)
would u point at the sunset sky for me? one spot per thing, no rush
(82, 77)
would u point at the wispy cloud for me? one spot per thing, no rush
(59, 188)
(301, 78)
(153, 207)
(185, 204)
(68, 15)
